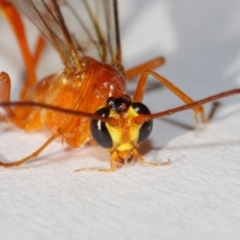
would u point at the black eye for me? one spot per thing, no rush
(99, 130)
(146, 128)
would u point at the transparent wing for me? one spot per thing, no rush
(92, 26)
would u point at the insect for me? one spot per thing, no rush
(87, 100)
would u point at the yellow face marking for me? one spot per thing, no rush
(125, 147)
(124, 137)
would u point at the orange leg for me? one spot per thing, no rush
(112, 168)
(21, 121)
(31, 156)
(136, 71)
(5, 86)
(58, 133)
(114, 165)
(28, 81)
(14, 19)
(12, 115)
(138, 96)
(141, 160)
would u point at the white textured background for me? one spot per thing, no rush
(195, 197)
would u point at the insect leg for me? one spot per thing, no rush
(138, 96)
(137, 70)
(14, 19)
(5, 88)
(26, 118)
(141, 159)
(112, 168)
(31, 156)
(29, 81)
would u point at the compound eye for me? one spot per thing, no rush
(99, 130)
(146, 128)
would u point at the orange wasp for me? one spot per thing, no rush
(87, 100)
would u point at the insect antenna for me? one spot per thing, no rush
(144, 118)
(56, 109)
